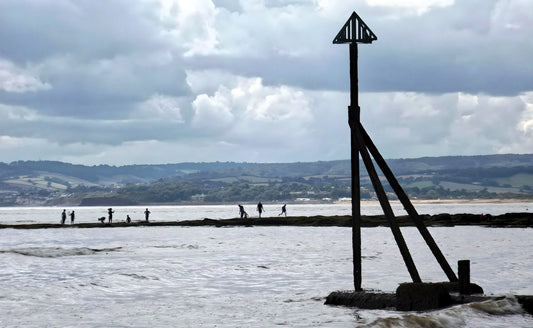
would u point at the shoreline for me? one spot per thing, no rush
(311, 202)
(508, 220)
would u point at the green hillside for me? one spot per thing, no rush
(47, 182)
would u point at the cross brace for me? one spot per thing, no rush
(364, 144)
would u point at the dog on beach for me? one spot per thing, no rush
(102, 219)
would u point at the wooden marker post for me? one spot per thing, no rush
(353, 32)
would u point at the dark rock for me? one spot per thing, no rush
(453, 287)
(422, 296)
(362, 299)
(526, 301)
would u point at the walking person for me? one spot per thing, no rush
(283, 210)
(110, 214)
(63, 216)
(146, 214)
(260, 209)
(72, 217)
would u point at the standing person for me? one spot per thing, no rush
(242, 212)
(63, 216)
(260, 209)
(72, 217)
(146, 214)
(283, 210)
(110, 213)
(128, 219)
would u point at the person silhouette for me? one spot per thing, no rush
(72, 217)
(110, 213)
(283, 210)
(260, 209)
(146, 214)
(242, 212)
(128, 219)
(63, 216)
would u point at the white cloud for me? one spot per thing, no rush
(16, 79)
(208, 80)
(526, 121)
(512, 15)
(248, 107)
(415, 6)
(160, 107)
(14, 114)
(213, 113)
(191, 24)
(455, 123)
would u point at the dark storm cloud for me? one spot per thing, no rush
(110, 132)
(86, 89)
(100, 58)
(275, 69)
(470, 46)
(34, 30)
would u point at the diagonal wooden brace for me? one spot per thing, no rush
(385, 205)
(409, 208)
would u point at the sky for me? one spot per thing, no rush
(124, 82)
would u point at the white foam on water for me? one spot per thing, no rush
(57, 251)
(479, 314)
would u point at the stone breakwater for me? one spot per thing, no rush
(510, 220)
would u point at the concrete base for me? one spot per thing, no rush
(526, 301)
(362, 300)
(421, 297)
(408, 297)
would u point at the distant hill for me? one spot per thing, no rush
(46, 182)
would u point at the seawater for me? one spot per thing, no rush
(245, 276)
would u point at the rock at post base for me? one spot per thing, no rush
(362, 299)
(422, 296)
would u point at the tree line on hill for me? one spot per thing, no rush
(46, 182)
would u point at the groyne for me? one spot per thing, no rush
(509, 220)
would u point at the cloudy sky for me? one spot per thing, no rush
(166, 81)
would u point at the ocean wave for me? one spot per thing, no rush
(504, 306)
(456, 316)
(182, 246)
(58, 251)
(138, 276)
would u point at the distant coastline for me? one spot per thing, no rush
(484, 178)
(121, 202)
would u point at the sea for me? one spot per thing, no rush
(246, 276)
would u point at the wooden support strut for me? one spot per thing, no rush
(385, 205)
(409, 208)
